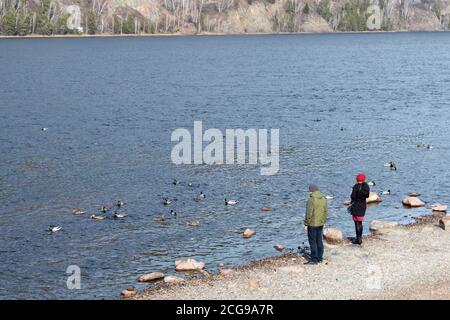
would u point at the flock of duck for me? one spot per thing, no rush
(115, 210)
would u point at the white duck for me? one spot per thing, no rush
(54, 229)
(230, 202)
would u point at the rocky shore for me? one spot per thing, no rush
(395, 262)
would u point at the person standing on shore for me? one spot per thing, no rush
(360, 193)
(315, 219)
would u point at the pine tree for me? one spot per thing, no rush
(306, 9)
(9, 22)
(91, 23)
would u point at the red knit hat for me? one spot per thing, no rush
(361, 177)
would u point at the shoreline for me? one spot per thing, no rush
(419, 271)
(203, 34)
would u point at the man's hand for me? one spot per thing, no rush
(306, 228)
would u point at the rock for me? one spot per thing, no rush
(254, 283)
(151, 277)
(248, 233)
(444, 223)
(194, 223)
(379, 226)
(413, 202)
(333, 235)
(439, 207)
(128, 292)
(173, 279)
(189, 265)
(226, 272)
(265, 209)
(279, 247)
(373, 198)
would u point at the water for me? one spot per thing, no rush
(111, 105)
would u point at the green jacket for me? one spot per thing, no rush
(316, 210)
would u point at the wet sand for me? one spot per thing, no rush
(404, 262)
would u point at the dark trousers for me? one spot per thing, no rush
(315, 235)
(359, 231)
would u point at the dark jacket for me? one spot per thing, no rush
(316, 210)
(360, 194)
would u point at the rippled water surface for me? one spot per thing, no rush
(111, 105)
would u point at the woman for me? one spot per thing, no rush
(360, 193)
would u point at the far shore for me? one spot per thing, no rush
(179, 34)
(396, 262)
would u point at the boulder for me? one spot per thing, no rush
(128, 292)
(333, 235)
(248, 233)
(173, 279)
(189, 265)
(373, 198)
(444, 223)
(379, 226)
(413, 202)
(279, 247)
(439, 207)
(151, 277)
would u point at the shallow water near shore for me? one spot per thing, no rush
(111, 104)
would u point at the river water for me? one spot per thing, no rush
(343, 103)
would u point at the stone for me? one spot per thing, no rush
(173, 279)
(128, 292)
(254, 283)
(373, 198)
(439, 207)
(414, 194)
(413, 202)
(444, 223)
(333, 235)
(380, 226)
(153, 276)
(189, 265)
(248, 233)
(265, 209)
(279, 247)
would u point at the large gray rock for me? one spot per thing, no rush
(153, 276)
(413, 202)
(379, 226)
(189, 265)
(333, 235)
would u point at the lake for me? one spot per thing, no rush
(343, 103)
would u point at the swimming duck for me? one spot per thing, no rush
(429, 147)
(103, 209)
(329, 197)
(78, 212)
(391, 164)
(95, 217)
(166, 201)
(201, 196)
(230, 202)
(190, 184)
(54, 229)
(119, 215)
(44, 129)
(175, 182)
(371, 183)
(159, 218)
(386, 193)
(173, 213)
(120, 203)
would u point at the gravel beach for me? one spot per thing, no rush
(402, 262)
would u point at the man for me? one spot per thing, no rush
(315, 218)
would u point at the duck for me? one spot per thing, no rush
(44, 129)
(78, 212)
(386, 193)
(120, 203)
(329, 197)
(231, 202)
(119, 215)
(54, 229)
(173, 213)
(201, 196)
(193, 223)
(372, 183)
(95, 217)
(175, 182)
(103, 209)
(429, 147)
(391, 164)
(190, 184)
(166, 201)
(160, 218)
